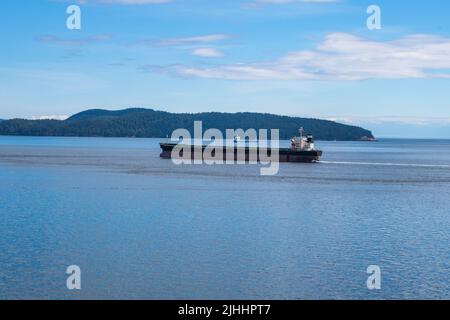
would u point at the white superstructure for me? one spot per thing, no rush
(303, 143)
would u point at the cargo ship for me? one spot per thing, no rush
(302, 150)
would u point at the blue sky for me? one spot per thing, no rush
(296, 57)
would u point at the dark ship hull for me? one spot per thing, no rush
(285, 154)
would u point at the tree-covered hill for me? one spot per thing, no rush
(150, 123)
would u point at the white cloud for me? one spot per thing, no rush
(209, 38)
(207, 52)
(418, 121)
(342, 56)
(50, 39)
(52, 117)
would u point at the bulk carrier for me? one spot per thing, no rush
(302, 150)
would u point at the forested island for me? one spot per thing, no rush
(149, 123)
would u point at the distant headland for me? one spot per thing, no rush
(149, 123)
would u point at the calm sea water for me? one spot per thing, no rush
(140, 227)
